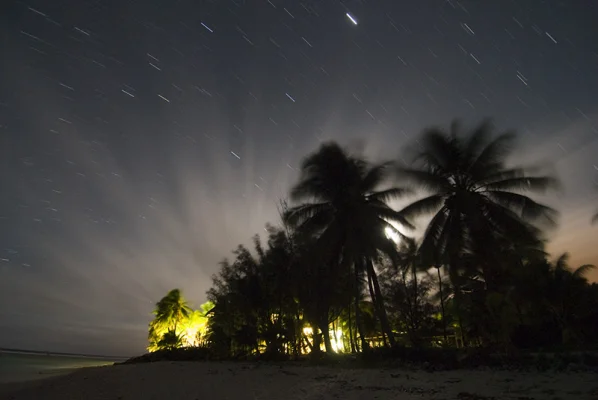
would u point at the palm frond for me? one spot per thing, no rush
(505, 223)
(495, 152)
(387, 225)
(390, 194)
(375, 176)
(527, 208)
(436, 152)
(476, 141)
(382, 210)
(309, 188)
(424, 179)
(497, 172)
(429, 246)
(295, 216)
(423, 206)
(583, 270)
(539, 184)
(562, 263)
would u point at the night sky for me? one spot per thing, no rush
(142, 140)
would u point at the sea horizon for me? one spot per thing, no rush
(61, 353)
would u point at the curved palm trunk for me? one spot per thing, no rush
(326, 334)
(305, 344)
(373, 297)
(415, 323)
(364, 344)
(317, 341)
(374, 302)
(351, 339)
(379, 303)
(442, 305)
(415, 292)
(457, 302)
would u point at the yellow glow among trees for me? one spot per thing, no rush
(336, 339)
(172, 328)
(191, 329)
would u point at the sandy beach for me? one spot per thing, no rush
(220, 381)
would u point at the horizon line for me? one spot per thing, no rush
(59, 353)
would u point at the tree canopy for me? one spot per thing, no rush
(339, 273)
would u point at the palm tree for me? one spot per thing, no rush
(559, 289)
(475, 197)
(171, 310)
(342, 206)
(170, 341)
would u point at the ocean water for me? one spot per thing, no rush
(19, 367)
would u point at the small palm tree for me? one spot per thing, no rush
(171, 310)
(556, 289)
(475, 198)
(342, 205)
(170, 341)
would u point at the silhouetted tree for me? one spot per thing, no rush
(478, 202)
(342, 205)
(408, 296)
(331, 266)
(474, 196)
(556, 295)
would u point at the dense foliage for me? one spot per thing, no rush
(340, 273)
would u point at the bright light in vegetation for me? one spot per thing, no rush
(336, 339)
(191, 330)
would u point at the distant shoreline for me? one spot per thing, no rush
(60, 354)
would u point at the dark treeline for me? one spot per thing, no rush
(342, 271)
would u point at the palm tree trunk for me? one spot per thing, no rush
(415, 292)
(358, 321)
(454, 277)
(375, 304)
(326, 333)
(305, 343)
(380, 304)
(350, 324)
(442, 305)
(317, 340)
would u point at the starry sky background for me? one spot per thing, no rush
(142, 140)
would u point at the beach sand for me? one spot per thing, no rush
(220, 381)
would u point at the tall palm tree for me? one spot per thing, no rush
(342, 205)
(475, 198)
